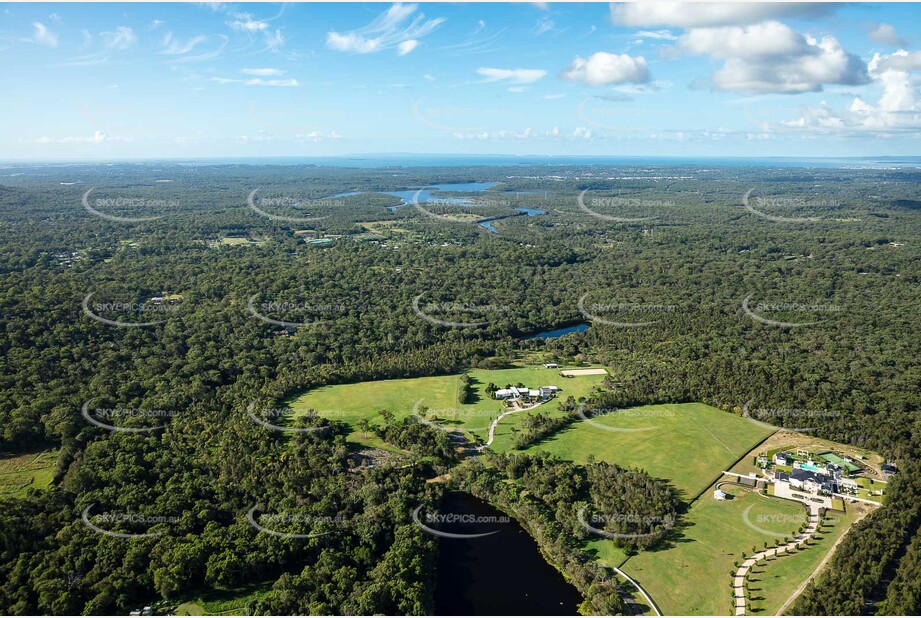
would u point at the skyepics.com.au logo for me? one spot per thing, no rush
(801, 416)
(781, 525)
(459, 121)
(431, 522)
(270, 418)
(103, 523)
(124, 202)
(786, 308)
(105, 418)
(594, 416)
(451, 207)
(798, 203)
(606, 312)
(289, 201)
(624, 526)
(274, 523)
(159, 307)
(448, 313)
(629, 204)
(306, 313)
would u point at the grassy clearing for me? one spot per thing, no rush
(233, 602)
(19, 473)
(688, 444)
(780, 578)
(690, 575)
(350, 402)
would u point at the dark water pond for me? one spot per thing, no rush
(559, 332)
(501, 574)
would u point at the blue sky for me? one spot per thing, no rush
(110, 81)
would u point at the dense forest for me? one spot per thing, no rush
(850, 271)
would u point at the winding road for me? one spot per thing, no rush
(738, 580)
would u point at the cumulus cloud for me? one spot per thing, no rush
(886, 35)
(398, 27)
(602, 68)
(515, 76)
(41, 35)
(771, 57)
(898, 109)
(709, 14)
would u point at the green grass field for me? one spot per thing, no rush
(350, 402)
(781, 577)
(231, 602)
(19, 473)
(690, 575)
(688, 444)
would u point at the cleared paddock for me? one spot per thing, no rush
(572, 373)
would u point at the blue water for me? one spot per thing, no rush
(531, 212)
(559, 332)
(806, 466)
(427, 194)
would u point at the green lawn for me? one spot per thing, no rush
(688, 444)
(690, 575)
(231, 602)
(18, 473)
(350, 402)
(781, 577)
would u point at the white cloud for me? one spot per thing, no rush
(175, 47)
(394, 28)
(665, 35)
(708, 14)
(515, 76)
(248, 24)
(275, 40)
(258, 81)
(405, 47)
(42, 36)
(263, 72)
(544, 24)
(898, 109)
(886, 35)
(122, 38)
(98, 137)
(771, 57)
(553, 133)
(119, 39)
(602, 68)
(900, 61)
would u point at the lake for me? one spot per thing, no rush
(531, 212)
(559, 332)
(502, 574)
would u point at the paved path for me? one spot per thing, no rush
(819, 568)
(648, 598)
(495, 423)
(738, 580)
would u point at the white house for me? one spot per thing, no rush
(719, 494)
(551, 365)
